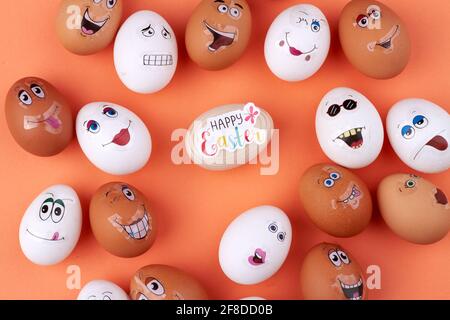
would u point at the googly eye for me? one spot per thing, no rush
(93, 126)
(375, 14)
(46, 209)
(420, 122)
(362, 21)
(334, 258)
(273, 227)
(223, 8)
(58, 211)
(410, 184)
(25, 98)
(235, 12)
(111, 3)
(128, 193)
(335, 176)
(315, 26)
(166, 34)
(148, 32)
(408, 132)
(328, 183)
(343, 256)
(110, 112)
(156, 287)
(38, 91)
(281, 236)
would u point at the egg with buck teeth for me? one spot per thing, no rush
(349, 128)
(113, 138)
(255, 245)
(102, 290)
(51, 226)
(419, 133)
(297, 43)
(85, 27)
(121, 220)
(218, 33)
(329, 272)
(336, 200)
(374, 39)
(146, 52)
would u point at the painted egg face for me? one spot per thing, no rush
(419, 132)
(414, 208)
(38, 117)
(121, 220)
(255, 245)
(374, 39)
(336, 200)
(159, 282)
(113, 138)
(87, 26)
(349, 128)
(146, 52)
(102, 290)
(51, 226)
(329, 272)
(218, 32)
(297, 43)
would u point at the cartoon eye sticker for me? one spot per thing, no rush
(235, 12)
(97, 2)
(374, 12)
(328, 183)
(93, 126)
(128, 193)
(166, 34)
(58, 211)
(408, 132)
(148, 32)
(46, 209)
(281, 236)
(420, 122)
(273, 227)
(335, 175)
(362, 21)
(155, 287)
(315, 26)
(25, 98)
(111, 3)
(37, 91)
(343, 256)
(110, 112)
(409, 184)
(334, 258)
(223, 8)
(142, 296)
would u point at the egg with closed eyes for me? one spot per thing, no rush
(102, 290)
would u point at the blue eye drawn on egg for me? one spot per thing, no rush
(408, 132)
(420, 122)
(110, 112)
(93, 126)
(335, 176)
(328, 183)
(315, 26)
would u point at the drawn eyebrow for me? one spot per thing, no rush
(305, 13)
(107, 292)
(239, 6)
(51, 194)
(221, 1)
(148, 28)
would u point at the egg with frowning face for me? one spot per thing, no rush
(102, 290)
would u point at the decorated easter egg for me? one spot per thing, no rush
(218, 32)
(419, 132)
(146, 52)
(51, 226)
(121, 220)
(349, 128)
(297, 42)
(39, 117)
(102, 290)
(113, 138)
(337, 201)
(87, 26)
(374, 39)
(255, 245)
(228, 136)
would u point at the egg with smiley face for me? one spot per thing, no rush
(330, 272)
(255, 245)
(51, 226)
(419, 132)
(121, 220)
(297, 43)
(102, 290)
(87, 26)
(218, 33)
(113, 138)
(146, 52)
(349, 128)
(374, 39)
(336, 200)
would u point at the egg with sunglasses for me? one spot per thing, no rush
(113, 138)
(146, 52)
(349, 128)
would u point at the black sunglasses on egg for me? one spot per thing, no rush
(334, 109)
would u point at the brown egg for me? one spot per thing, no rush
(39, 117)
(159, 282)
(121, 220)
(414, 208)
(336, 200)
(330, 272)
(374, 39)
(218, 32)
(88, 26)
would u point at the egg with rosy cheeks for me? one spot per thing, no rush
(113, 138)
(160, 282)
(374, 39)
(297, 43)
(218, 33)
(255, 245)
(330, 272)
(102, 290)
(39, 117)
(121, 220)
(336, 200)
(85, 27)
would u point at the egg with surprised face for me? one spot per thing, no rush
(349, 128)
(146, 52)
(255, 245)
(297, 43)
(51, 226)
(102, 290)
(419, 133)
(113, 138)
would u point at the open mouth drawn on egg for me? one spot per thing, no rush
(353, 137)
(258, 258)
(387, 42)
(137, 230)
(221, 38)
(49, 118)
(55, 237)
(440, 197)
(158, 60)
(296, 52)
(353, 291)
(90, 27)
(122, 138)
(438, 142)
(351, 196)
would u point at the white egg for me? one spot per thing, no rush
(255, 245)
(146, 52)
(253, 298)
(51, 226)
(297, 43)
(113, 138)
(349, 128)
(102, 290)
(419, 132)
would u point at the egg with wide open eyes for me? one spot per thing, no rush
(102, 290)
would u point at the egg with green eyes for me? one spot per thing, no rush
(113, 138)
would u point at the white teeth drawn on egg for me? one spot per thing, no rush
(138, 229)
(221, 38)
(258, 257)
(90, 27)
(353, 137)
(438, 142)
(351, 196)
(158, 60)
(49, 118)
(353, 291)
(54, 238)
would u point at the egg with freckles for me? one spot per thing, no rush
(337, 201)
(121, 220)
(102, 290)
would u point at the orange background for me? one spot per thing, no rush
(193, 205)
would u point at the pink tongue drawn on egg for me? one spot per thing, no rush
(53, 122)
(55, 236)
(86, 31)
(355, 294)
(295, 51)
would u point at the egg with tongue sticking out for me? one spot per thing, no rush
(113, 138)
